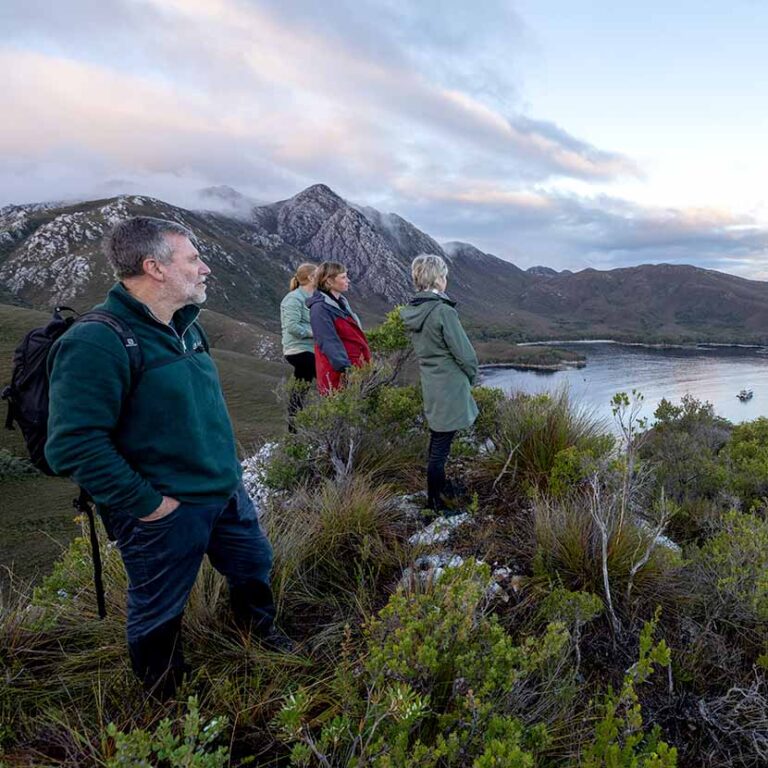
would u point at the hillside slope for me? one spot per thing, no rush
(50, 253)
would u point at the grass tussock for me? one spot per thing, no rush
(570, 546)
(527, 432)
(335, 544)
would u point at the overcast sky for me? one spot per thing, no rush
(548, 132)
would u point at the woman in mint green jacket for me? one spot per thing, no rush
(447, 365)
(298, 344)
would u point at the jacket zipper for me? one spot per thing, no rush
(180, 337)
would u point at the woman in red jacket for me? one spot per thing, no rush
(339, 339)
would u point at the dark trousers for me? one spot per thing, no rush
(439, 448)
(304, 371)
(162, 559)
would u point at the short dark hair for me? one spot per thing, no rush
(134, 240)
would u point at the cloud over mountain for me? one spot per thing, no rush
(415, 107)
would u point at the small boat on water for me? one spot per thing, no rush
(744, 395)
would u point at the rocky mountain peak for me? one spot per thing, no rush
(376, 248)
(319, 193)
(539, 271)
(301, 217)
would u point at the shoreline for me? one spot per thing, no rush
(553, 367)
(665, 345)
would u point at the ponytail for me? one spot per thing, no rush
(302, 275)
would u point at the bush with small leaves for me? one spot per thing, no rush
(620, 740)
(187, 744)
(369, 426)
(572, 609)
(683, 446)
(437, 679)
(390, 337)
(570, 469)
(488, 400)
(745, 457)
(731, 574)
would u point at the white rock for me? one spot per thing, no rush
(254, 471)
(661, 540)
(427, 569)
(438, 531)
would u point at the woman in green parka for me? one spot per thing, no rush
(447, 364)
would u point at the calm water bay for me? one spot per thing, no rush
(715, 374)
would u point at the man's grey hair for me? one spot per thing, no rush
(134, 240)
(426, 270)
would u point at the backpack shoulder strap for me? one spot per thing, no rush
(126, 336)
(203, 336)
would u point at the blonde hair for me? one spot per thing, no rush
(303, 274)
(327, 271)
(426, 270)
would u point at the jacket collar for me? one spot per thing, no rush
(182, 318)
(340, 304)
(422, 297)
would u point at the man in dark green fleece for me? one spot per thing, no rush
(156, 449)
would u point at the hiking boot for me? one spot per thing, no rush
(158, 660)
(276, 640)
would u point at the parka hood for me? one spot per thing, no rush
(340, 304)
(420, 307)
(316, 297)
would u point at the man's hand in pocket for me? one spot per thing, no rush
(167, 506)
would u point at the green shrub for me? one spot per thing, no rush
(389, 337)
(570, 608)
(620, 740)
(15, 466)
(571, 467)
(731, 572)
(289, 465)
(683, 447)
(438, 682)
(370, 426)
(573, 610)
(489, 401)
(746, 460)
(398, 409)
(190, 744)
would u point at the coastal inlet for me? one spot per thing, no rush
(716, 374)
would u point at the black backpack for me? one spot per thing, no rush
(27, 397)
(27, 394)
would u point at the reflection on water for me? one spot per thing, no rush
(715, 374)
